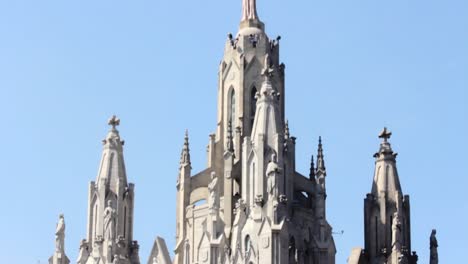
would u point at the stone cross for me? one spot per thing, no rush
(114, 121)
(385, 134)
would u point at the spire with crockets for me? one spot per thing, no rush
(185, 154)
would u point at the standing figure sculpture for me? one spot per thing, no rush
(109, 221)
(249, 10)
(213, 189)
(396, 232)
(433, 243)
(60, 235)
(271, 172)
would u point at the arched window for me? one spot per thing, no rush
(232, 110)
(253, 104)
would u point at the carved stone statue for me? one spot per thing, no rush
(116, 259)
(109, 222)
(213, 189)
(249, 9)
(60, 235)
(433, 243)
(396, 232)
(271, 172)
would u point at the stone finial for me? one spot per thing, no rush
(320, 160)
(434, 257)
(114, 121)
(185, 155)
(312, 169)
(385, 134)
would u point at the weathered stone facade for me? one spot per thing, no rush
(110, 209)
(258, 208)
(249, 205)
(387, 225)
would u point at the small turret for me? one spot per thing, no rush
(387, 211)
(111, 204)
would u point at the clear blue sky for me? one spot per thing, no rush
(352, 68)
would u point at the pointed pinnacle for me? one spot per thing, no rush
(312, 168)
(185, 155)
(320, 158)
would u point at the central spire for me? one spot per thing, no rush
(249, 10)
(249, 15)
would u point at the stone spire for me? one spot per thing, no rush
(387, 212)
(249, 15)
(321, 171)
(185, 154)
(386, 178)
(110, 208)
(59, 256)
(112, 169)
(312, 169)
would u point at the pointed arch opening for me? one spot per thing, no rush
(247, 244)
(253, 104)
(232, 108)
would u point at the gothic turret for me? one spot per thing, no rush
(110, 209)
(183, 194)
(386, 213)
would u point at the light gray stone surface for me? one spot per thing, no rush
(387, 225)
(110, 209)
(59, 256)
(268, 212)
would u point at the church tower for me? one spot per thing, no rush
(110, 209)
(387, 226)
(250, 205)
